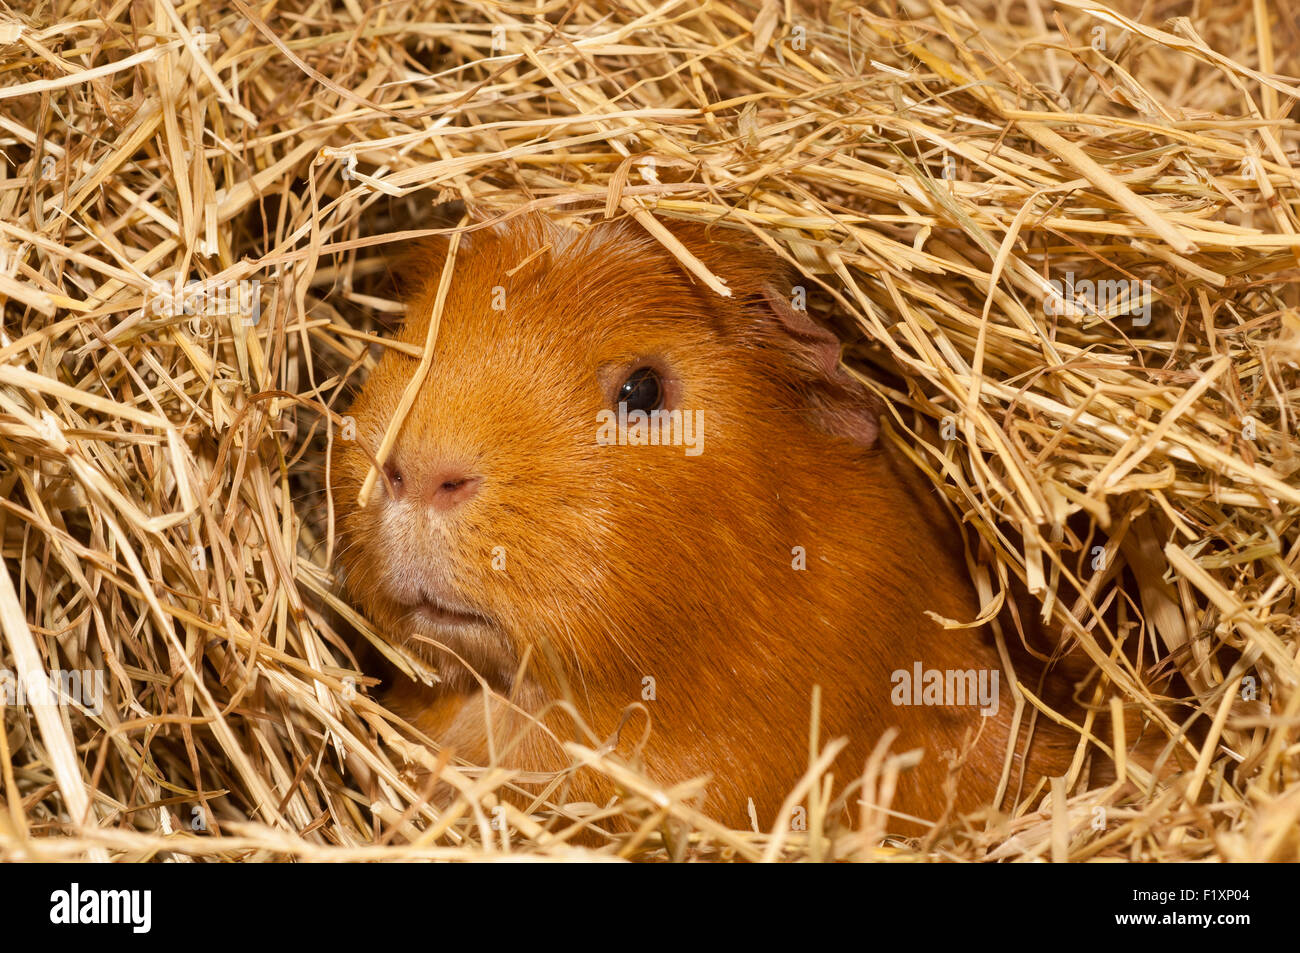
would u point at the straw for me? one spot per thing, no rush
(1061, 233)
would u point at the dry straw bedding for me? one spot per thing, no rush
(945, 176)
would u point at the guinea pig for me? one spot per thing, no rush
(566, 570)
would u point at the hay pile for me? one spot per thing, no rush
(1068, 237)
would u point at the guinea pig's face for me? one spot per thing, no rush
(595, 432)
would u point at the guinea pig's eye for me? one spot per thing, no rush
(643, 390)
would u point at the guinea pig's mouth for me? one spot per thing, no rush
(441, 614)
(476, 643)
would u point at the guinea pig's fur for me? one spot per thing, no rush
(569, 569)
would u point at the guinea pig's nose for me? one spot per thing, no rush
(443, 489)
(393, 477)
(450, 488)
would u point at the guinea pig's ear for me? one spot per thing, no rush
(839, 404)
(761, 284)
(410, 266)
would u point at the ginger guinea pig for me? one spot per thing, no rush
(772, 545)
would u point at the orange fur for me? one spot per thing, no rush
(626, 562)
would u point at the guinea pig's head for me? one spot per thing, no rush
(597, 454)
